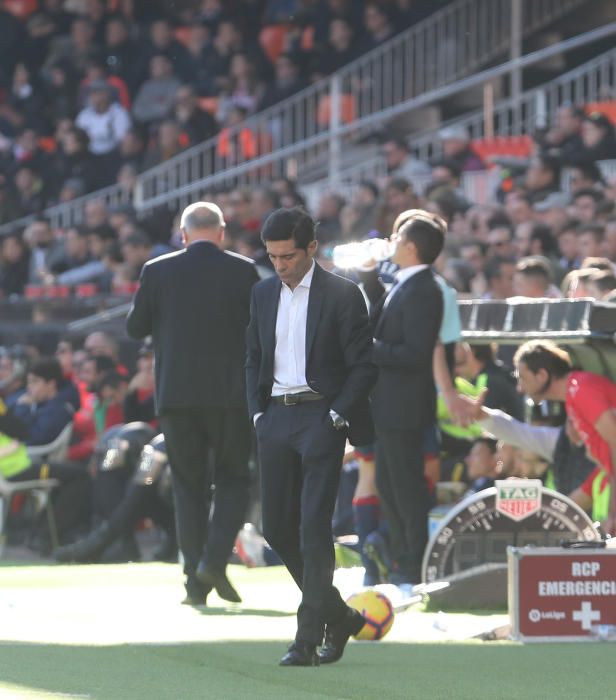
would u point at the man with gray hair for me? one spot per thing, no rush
(195, 303)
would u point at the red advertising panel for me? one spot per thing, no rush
(566, 594)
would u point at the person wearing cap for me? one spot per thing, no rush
(457, 148)
(105, 122)
(309, 372)
(195, 304)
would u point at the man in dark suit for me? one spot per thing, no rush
(406, 324)
(195, 304)
(309, 373)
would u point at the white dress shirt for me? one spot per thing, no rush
(401, 277)
(290, 353)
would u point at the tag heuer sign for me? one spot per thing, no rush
(517, 499)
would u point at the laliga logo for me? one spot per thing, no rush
(534, 615)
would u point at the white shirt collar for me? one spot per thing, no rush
(306, 280)
(407, 272)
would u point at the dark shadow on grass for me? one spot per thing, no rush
(234, 611)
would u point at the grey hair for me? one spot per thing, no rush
(201, 215)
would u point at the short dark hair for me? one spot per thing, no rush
(589, 169)
(596, 230)
(49, 369)
(544, 354)
(489, 442)
(543, 234)
(589, 192)
(429, 238)
(483, 353)
(286, 224)
(492, 269)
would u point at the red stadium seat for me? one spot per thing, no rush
(519, 146)
(348, 110)
(272, 40)
(21, 8)
(608, 108)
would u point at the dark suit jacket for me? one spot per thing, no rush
(406, 331)
(338, 348)
(195, 303)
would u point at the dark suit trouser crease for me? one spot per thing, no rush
(300, 455)
(190, 436)
(404, 496)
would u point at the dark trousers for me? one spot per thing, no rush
(404, 497)
(300, 455)
(190, 435)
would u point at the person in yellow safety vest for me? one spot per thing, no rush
(445, 421)
(594, 495)
(14, 458)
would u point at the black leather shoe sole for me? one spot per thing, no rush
(297, 658)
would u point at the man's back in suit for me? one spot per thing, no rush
(195, 303)
(196, 306)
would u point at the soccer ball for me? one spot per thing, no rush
(377, 610)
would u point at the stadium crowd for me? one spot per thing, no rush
(548, 231)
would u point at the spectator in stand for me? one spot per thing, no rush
(162, 41)
(542, 242)
(109, 403)
(74, 160)
(457, 147)
(532, 278)
(45, 250)
(60, 92)
(342, 47)
(473, 253)
(169, 143)
(482, 464)
(518, 207)
(78, 49)
(378, 26)
(9, 209)
(500, 237)
(139, 399)
(137, 249)
(287, 81)
(14, 265)
(244, 89)
(198, 124)
(264, 201)
(328, 216)
(97, 71)
(102, 344)
(568, 247)
(598, 137)
(199, 45)
(25, 99)
(30, 190)
(609, 240)
(521, 238)
(132, 149)
(398, 197)
(106, 124)
(585, 203)
(590, 241)
(399, 160)
(12, 37)
(564, 141)
(552, 211)
(542, 178)
(585, 175)
(121, 53)
(156, 96)
(499, 273)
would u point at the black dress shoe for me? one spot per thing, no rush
(219, 581)
(337, 636)
(196, 593)
(300, 654)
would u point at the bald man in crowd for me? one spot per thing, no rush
(195, 303)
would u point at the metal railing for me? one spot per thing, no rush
(452, 42)
(593, 81)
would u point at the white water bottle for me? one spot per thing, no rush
(355, 255)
